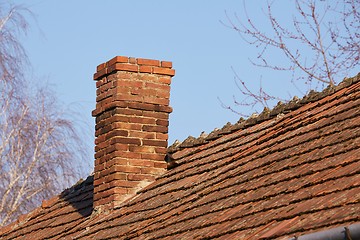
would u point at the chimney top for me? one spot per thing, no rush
(132, 112)
(130, 64)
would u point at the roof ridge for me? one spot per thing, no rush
(279, 110)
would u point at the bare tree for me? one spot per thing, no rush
(41, 152)
(320, 46)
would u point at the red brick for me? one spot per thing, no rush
(117, 132)
(102, 187)
(141, 163)
(117, 59)
(100, 82)
(132, 60)
(123, 67)
(99, 139)
(104, 172)
(162, 164)
(120, 147)
(141, 106)
(103, 160)
(142, 120)
(129, 83)
(99, 154)
(118, 119)
(161, 150)
(142, 135)
(100, 73)
(140, 177)
(166, 64)
(125, 169)
(165, 79)
(123, 183)
(122, 90)
(157, 115)
(116, 160)
(154, 171)
(149, 62)
(125, 140)
(158, 143)
(98, 181)
(146, 77)
(162, 136)
(127, 97)
(155, 100)
(144, 92)
(145, 69)
(117, 176)
(126, 111)
(162, 122)
(100, 67)
(149, 107)
(130, 126)
(99, 167)
(126, 154)
(163, 94)
(142, 149)
(164, 71)
(120, 76)
(161, 129)
(152, 156)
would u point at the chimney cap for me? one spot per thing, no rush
(130, 64)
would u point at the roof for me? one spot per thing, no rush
(287, 172)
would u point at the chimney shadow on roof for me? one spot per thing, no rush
(80, 196)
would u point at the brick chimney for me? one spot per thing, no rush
(132, 112)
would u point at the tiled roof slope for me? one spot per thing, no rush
(281, 176)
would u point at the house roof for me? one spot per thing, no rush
(287, 172)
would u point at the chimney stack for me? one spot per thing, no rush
(132, 112)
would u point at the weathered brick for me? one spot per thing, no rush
(152, 170)
(142, 120)
(140, 177)
(152, 156)
(158, 143)
(149, 62)
(162, 136)
(142, 135)
(166, 64)
(126, 125)
(164, 71)
(161, 150)
(145, 69)
(100, 67)
(125, 169)
(156, 100)
(100, 74)
(123, 183)
(117, 59)
(149, 128)
(142, 149)
(141, 163)
(158, 164)
(117, 176)
(117, 133)
(125, 140)
(162, 122)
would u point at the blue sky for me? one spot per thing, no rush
(70, 38)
